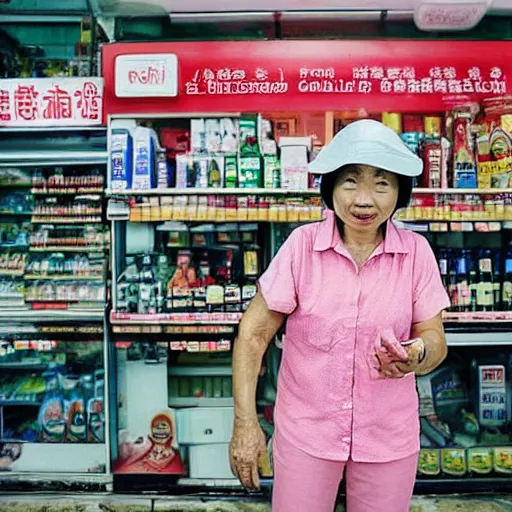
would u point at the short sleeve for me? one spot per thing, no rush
(277, 284)
(429, 294)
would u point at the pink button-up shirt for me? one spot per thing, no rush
(331, 401)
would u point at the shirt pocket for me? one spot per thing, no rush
(314, 332)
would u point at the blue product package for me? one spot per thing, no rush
(121, 159)
(144, 153)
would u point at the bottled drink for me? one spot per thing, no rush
(453, 288)
(485, 287)
(497, 288)
(230, 171)
(463, 292)
(473, 290)
(214, 175)
(506, 297)
(443, 268)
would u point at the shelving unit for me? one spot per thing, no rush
(52, 344)
(146, 213)
(147, 218)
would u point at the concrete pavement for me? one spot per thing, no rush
(122, 503)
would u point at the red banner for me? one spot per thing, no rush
(244, 76)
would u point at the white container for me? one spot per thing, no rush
(209, 461)
(204, 425)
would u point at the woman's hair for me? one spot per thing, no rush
(328, 183)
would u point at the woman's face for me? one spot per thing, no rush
(364, 197)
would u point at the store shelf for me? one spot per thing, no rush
(20, 184)
(11, 273)
(473, 339)
(15, 214)
(68, 248)
(478, 317)
(70, 220)
(200, 402)
(52, 158)
(34, 277)
(44, 480)
(11, 247)
(200, 371)
(21, 403)
(210, 482)
(24, 366)
(454, 226)
(75, 192)
(118, 318)
(214, 192)
(129, 329)
(462, 191)
(285, 191)
(51, 315)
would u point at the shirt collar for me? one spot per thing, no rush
(327, 236)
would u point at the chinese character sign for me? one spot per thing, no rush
(51, 102)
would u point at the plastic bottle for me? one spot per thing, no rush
(463, 293)
(485, 287)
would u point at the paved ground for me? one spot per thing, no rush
(113, 503)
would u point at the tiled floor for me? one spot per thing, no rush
(112, 503)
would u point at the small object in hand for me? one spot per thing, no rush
(416, 348)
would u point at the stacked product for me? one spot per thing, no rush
(205, 269)
(468, 147)
(477, 280)
(52, 391)
(465, 423)
(65, 208)
(209, 153)
(226, 208)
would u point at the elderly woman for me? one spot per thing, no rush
(363, 302)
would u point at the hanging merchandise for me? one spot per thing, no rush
(208, 199)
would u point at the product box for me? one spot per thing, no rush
(492, 396)
(144, 158)
(209, 461)
(294, 162)
(121, 163)
(199, 426)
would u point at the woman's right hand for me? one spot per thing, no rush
(247, 445)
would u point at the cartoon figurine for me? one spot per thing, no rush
(185, 275)
(156, 454)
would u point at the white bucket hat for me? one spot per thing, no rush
(367, 142)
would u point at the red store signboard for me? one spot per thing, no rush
(51, 102)
(245, 76)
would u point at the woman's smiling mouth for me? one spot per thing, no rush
(364, 218)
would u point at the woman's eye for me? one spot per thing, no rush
(350, 180)
(382, 183)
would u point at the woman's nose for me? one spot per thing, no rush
(363, 199)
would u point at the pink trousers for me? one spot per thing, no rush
(303, 483)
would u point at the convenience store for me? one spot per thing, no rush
(225, 131)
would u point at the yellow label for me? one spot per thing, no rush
(507, 292)
(485, 294)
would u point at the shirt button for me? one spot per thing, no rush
(345, 439)
(347, 406)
